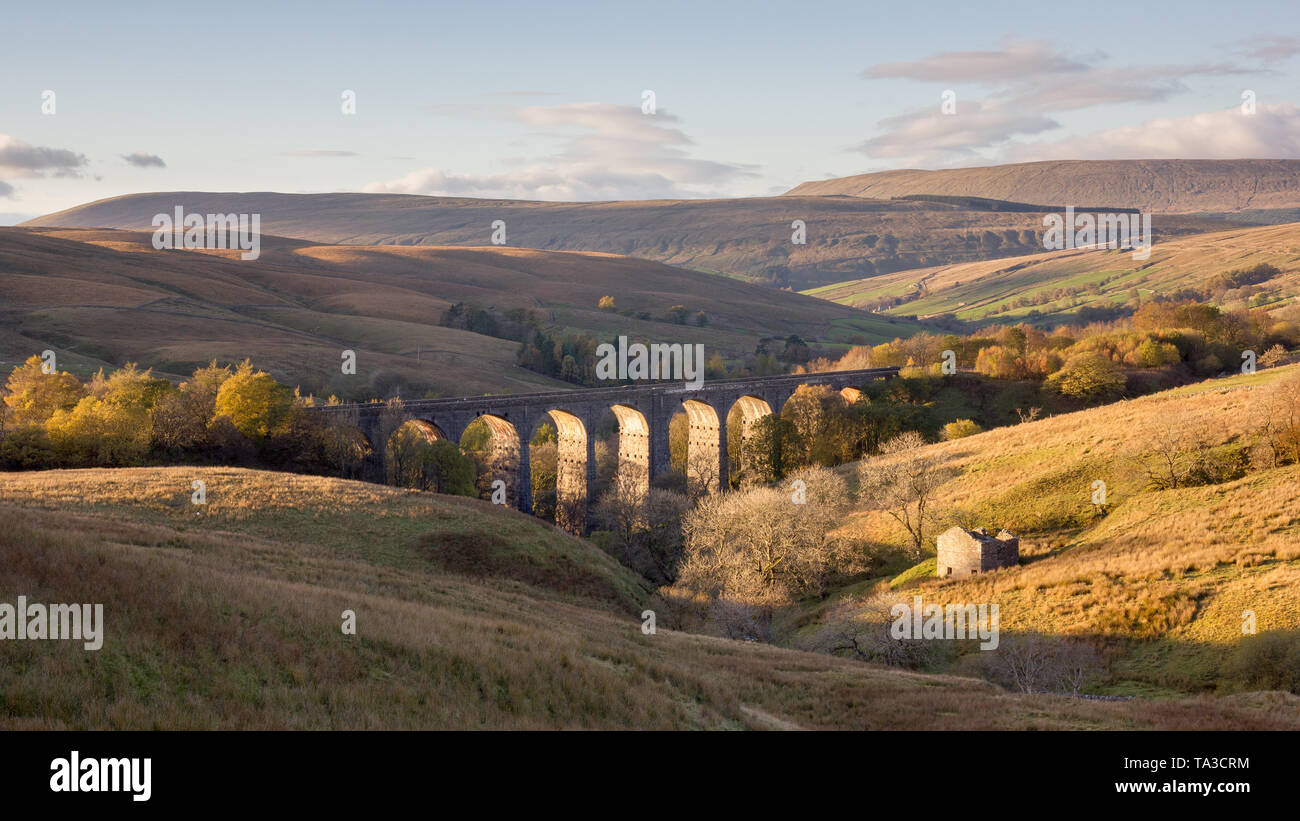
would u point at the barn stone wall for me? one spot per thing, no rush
(966, 552)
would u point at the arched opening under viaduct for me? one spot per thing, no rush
(741, 418)
(559, 470)
(703, 447)
(419, 454)
(493, 442)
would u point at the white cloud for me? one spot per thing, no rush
(929, 137)
(1015, 61)
(606, 152)
(1272, 132)
(1017, 91)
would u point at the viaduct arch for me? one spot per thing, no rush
(643, 413)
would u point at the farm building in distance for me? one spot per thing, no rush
(967, 552)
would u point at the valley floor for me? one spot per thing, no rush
(230, 617)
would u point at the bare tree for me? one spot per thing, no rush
(861, 628)
(1175, 451)
(645, 524)
(766, 543)
(1078, 666)
(739, 620)
(1273, 356)
(1025, 663)
(820, 498)
(1028, 415)
(621, 509)
(903, 482)
(1033, 663)
(571, 512)
(702, 472)
(1279, 426)
(1183, 454)
(659, 545)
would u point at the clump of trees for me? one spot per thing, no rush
(860, 628)
(1193, 338)
(513, 323)
(1184, 454)
(419, 462)
(1266, 661)
(222, 414)
(569, 357)
(131, 417)
(819, 427)
(1219, 288)
(749, 551)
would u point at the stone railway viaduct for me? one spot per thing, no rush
(643, 413)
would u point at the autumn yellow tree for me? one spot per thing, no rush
(33, 396)
(112, 425)
(254, 402)
(1088, 376)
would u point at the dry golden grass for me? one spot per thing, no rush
(744, 238)
(100, 298)
(402, 529)
(233, 621)
(1177, 566)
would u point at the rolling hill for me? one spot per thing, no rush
(987, 292)
(104, 297)
(1158, 186)
(467, 617)
(751, 239)
(1161, 578)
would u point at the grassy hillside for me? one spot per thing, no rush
(231, 619)
(1159, 186)
(847, 237)
(985, 291)
(1160, 578)
(105, 297)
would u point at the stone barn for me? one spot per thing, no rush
(967, 552)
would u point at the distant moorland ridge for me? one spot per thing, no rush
(1160, 186)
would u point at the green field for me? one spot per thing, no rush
(983, 292)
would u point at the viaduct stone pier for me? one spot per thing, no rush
(643, 413)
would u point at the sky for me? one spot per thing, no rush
(548, 101)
